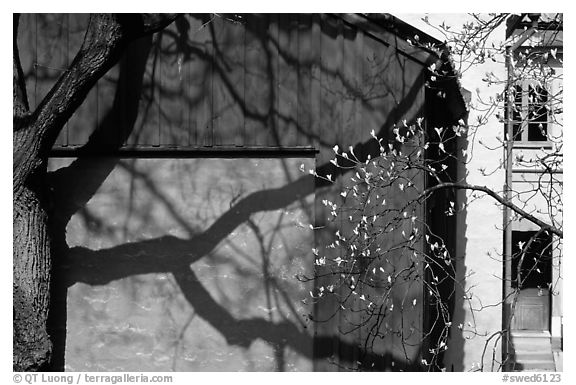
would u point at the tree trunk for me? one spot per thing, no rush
(31, 279)
(34, 134)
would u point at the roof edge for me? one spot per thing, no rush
(425, 41)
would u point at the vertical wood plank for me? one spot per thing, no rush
(228, 85)
(28, 54)
(52, 57)
(146, 131)
(349, 79)
(321, 330)
(378, 87)
(304, 97)
(338, 83)
(352, 134)
(358, 83)
(326, 134)
(294, 79)
(239, 73)
(105, 90)
(272, 134)
(173, 79)
(342, 112)
(64, 137)
(330, 88)
(374, 92)
(315, 85)
(189, 119)
(219, 32)
(200, 80)
(204, 118)
(288, 70)
(120, 93)
(329, 134)
(258, 89)
(85, 119)
(282, 93)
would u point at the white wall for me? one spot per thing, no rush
(483, 244)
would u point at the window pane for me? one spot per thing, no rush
(538, 114)
(516, 115)
(536, 271)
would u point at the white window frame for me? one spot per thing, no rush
(523, 139)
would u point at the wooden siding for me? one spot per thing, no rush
(288, 80)
(211, 85)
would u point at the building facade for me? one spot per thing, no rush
(185, 219)
(534, 173)
(518, 326)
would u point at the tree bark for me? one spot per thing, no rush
(34, 134)
(31, 280)
(31, 256)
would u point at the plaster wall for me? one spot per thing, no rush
(478, 311)
(166, 293)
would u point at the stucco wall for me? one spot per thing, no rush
(168, 291)
(481, 311)
(479, 245)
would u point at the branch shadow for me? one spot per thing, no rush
(73, 187)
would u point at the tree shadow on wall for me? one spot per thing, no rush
(73, 186)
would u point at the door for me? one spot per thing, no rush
(532, 311)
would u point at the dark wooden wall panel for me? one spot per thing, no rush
(315, 86)
(266, 80)
(352, 132)
(379, 97)
(146, 130)
(257, 80)
(330, 130)
(357, 82)
(288, 80)
(201, 70)
(52, 43)
(271, 131)
(193, 66)
(105, 92)
(228, 82)
(85, 119)
(303, 96)
(174, 106)
(28, 53)
(220, 32)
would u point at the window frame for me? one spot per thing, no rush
(541, 246)
(523, 123)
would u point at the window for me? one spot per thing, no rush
(536, 270)
(530, 117)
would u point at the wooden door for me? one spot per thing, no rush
(532, 310)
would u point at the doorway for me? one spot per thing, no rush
(532, 275)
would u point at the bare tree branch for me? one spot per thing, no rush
(493, 194)
(21, 106)
(106, 37)
(154, 22)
